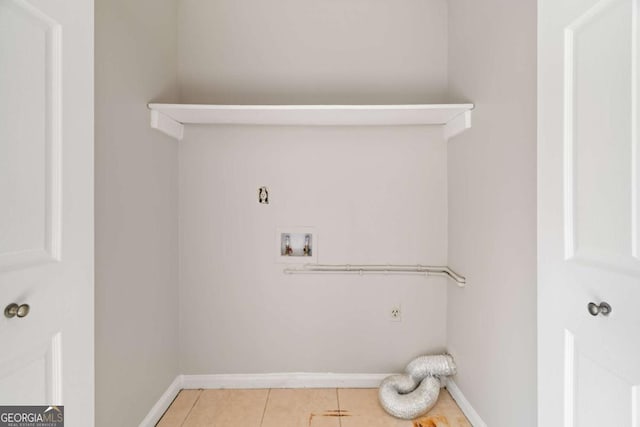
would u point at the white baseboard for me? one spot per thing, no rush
(464, 404)
(163, 403)
(283, 380)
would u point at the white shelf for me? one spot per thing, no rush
(170, 118)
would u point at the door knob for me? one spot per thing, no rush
(595, 309)
(13, 310)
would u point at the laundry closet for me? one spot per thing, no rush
(241, 146)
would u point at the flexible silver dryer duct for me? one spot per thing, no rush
(414, 393)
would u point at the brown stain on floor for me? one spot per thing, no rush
(434, 421)
(330, 413)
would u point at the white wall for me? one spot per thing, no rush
(136, 210)
(492, 208)
(375, 195)
(330, 51)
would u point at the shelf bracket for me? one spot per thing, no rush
(457, 125)
(167, 125)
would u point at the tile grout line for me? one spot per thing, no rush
(195, 402)
(167, 410)
(264, 410)
(339, 412)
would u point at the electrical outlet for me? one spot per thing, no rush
(395, 314)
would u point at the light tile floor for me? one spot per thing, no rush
(298, 408)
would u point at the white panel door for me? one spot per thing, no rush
(46, 205)
(588, 213)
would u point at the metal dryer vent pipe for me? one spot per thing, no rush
(414, 393)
